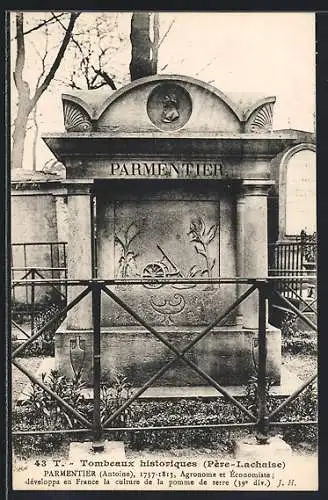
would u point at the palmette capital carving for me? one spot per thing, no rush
(75, 118)
(261, 119)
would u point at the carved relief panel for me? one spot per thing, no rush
(160, 238)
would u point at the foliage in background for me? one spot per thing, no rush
(43, 409)
(45, 344)
(294, 340)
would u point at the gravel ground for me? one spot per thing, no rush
(19, 380)
(304, 366)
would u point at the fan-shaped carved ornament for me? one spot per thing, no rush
(75, 118)
(261, 119)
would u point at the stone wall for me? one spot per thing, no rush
(38, 215)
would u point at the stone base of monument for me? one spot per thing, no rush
(250, 448)
(228, 354)
(113, 450)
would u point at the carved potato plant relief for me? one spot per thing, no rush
(127, 262)
(202, 236)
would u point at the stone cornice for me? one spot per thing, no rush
(266, 146)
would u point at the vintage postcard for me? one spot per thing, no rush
(163, 251)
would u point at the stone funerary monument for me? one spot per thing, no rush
(172, 177)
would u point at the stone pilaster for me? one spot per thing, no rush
(79, 261)
(61, 216)
(255, 248)
(240, 241)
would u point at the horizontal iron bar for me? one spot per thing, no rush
(296, 310)
(301, 422)
(160, 428)
(22, 280)
(293, 396)
(50, 284)
(178, 353)
(54, 431)
(60, 401)
(39, 268)
(162, 281)
(51, 321)
(306, 272)
(39, 243)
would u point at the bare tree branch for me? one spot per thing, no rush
(44, 23)
(39, 91)
(207, 65)
(166, 33)
(180, 61)
(20, 53)
(106, 77)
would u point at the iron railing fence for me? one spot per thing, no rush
(261, 419)
(37, 299)
(28, 254)
(41, 259)
(36, 260)
(294, 259)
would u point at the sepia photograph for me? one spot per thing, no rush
(163, 267)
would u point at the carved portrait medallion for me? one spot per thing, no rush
(169, 106)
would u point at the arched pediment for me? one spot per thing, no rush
(165, 103)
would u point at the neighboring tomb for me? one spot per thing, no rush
(170, 177)
(292, 200)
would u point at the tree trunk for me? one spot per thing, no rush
(155, 44)
(141, 63)
(35, 137)
(19, 135)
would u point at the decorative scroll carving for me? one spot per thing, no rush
(261, 119)
(168, 307)
(75, 118)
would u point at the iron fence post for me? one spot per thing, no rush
(97, 445)
(262, 423)
(32, 301)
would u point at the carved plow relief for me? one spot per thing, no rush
(164, 267)
(190, 251)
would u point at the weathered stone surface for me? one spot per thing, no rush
(229, 355)
(155, 236)
(276, 448)
(167, 102)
